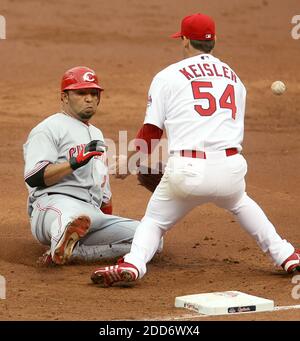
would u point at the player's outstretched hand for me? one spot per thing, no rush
(93, 148)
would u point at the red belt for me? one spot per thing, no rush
(201, 155)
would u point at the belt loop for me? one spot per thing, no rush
(193, 154)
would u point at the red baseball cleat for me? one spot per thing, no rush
(122, 273)
(75, 230)
(45, 259)
(292, 263)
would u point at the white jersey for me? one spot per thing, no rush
(201, 103)
(56, 140)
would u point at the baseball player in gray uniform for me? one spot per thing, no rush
(69, 201)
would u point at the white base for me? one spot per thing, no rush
(223, 303)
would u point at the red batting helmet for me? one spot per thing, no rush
(80, 77)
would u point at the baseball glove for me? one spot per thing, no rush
(149, 177)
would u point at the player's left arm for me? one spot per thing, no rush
(151, 132)
(146, 140)
(107, 207)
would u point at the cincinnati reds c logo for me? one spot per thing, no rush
(89, 76)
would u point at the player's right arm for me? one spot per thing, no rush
(41, 155)
(40, 152)
(53, 173)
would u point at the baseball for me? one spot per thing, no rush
(278, 88)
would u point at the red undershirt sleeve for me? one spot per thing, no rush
(147, 138)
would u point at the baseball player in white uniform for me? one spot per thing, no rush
(69, 201)
(200, 101)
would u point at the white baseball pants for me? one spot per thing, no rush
(190, 182)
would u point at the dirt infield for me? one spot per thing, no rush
(127, 42)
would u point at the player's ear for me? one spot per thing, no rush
(64, 97)
(186, 41)
(99, 96)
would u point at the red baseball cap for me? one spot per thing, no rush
(197, 27)
(80, 77)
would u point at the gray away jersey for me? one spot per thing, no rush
(55, 140)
